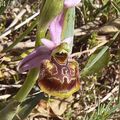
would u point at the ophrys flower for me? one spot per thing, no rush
(59, 74)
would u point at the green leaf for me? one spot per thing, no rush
(68, 25)
(102, 9)
(104, 112)
(97, 61)
(27, 106)
(116, 6)
(11, 110)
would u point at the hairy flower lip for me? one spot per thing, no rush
(61, 93)
(56, 84)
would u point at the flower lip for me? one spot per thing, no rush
(59, 80)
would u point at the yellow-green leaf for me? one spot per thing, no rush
(97, 61)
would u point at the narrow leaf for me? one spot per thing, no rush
(10, 109)
(97, 61)
(27, 106)
(68, 26)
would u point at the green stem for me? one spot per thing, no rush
(51, 8)
(28, 84)
(40, 34)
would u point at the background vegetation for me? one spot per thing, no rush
(96, 48)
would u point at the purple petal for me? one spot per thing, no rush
(49, 44)
(34, 59)
(71, 3)
(56, 29)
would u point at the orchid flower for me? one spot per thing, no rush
(34, 59)
(59, 76)
(43, 52)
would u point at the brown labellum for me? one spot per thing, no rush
(59, 77)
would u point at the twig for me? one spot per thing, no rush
(104, 99)
(9, 86)
(91, 27)
(17, 18)
(78, 54)
(88, 28)
(21, 45)
(2, 89)
(19, 25)
(3, 97)
(90, 51)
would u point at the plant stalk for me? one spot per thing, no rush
(28, 84)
